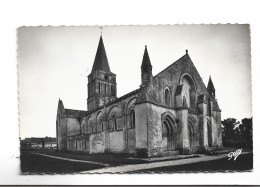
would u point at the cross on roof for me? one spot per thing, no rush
(101, 29)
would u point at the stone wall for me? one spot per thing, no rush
(217, 130)
(119, 139)
(155, 143)
(73, 126)
(141, 130)
(62, 133)
(61, 127)
(97, 143)
(116, 142)
(131, 141)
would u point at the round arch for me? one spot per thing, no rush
(99, 115)
(131, 115)
(167, 96)
(110, 111)
(90, 118)
(190, 79)
(192, 131)
(130, 105)
(114, 121)
(169, 131)
(168, 113)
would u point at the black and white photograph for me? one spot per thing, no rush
(135, 99)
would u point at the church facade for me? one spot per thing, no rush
(170, 113)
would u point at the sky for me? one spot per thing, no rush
(54, 62)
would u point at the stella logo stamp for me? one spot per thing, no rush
(234, 154)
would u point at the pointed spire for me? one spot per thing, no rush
(146, 69)
(146, 59)
(101, 62)
(210, 86)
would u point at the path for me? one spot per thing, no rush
(72, 160)
(130, 168)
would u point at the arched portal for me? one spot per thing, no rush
(192, 131)
(209, 134)
(169, 133)
(191, 135)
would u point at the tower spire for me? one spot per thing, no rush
(146, 68)
(101, 62)
(101, 81)
(146, 63)
(211, 88)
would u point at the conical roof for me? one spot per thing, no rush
(101, 62)
(146, 59)
(210, 86)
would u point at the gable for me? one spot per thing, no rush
(171, 77)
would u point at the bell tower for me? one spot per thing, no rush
(146, 69)
(101, 81)
(211, 89)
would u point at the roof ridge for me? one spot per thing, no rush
(116, 100)
(171, 64)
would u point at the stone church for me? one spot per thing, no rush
(172, 112)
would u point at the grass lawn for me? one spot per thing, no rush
(242, 163)
(37, 164)
(110, 159)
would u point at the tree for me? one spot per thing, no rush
(237, 134)
(246, 131)
(230, 130)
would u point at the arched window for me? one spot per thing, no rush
(189, 89)
(113, 90)
(132, 119)
(83, 129)
(91, 127)
(167, 97)
(114, 121)
(101, 124)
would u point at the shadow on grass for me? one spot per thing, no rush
(37, 164)
(242, 163)
(105, 158)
